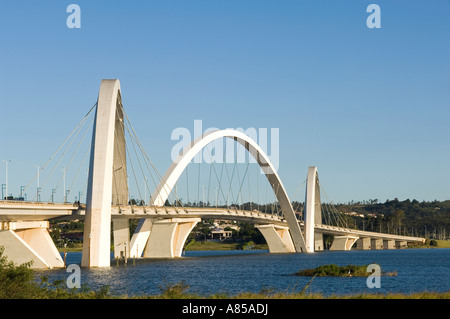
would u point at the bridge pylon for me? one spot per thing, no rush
(107, 180)
(313, 212)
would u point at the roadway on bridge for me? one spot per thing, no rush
(38, 211)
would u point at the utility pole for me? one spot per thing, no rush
(216, 197)
(64, 183)
(38, 169)
(37, 184)
(6, 176)
(22, 189)
(145, 191)
(176, 195)
(203, 195)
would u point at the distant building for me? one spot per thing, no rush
(220, 234)
(74, 237)
(355, 214)
(222, 224)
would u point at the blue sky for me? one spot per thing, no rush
(369, 107)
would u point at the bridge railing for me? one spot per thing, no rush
(20, 202)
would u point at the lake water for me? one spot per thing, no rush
(231, 272)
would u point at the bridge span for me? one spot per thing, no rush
(38, 211)
(162, 230)
(17, 217)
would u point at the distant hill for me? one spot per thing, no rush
(409, 217)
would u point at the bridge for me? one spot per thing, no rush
(162, 229)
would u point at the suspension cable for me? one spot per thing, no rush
(76, 129)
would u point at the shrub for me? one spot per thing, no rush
(333, 270)
(17, 281)
(433, 243)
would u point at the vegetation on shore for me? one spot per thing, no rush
(443, 243)
(179, 291)
(333, 270)
(194, 245)
(429, 220)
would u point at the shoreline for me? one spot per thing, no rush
(231, 246)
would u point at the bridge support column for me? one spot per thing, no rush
(167, 237)
(278, 238)
(313, 211)
(343, 242)
(376, 243)
(29, 241)
(121, 235)
(401, 244)
(363, 243)
(107, 161)
(318, 241)
(389, 244)
(140, 237)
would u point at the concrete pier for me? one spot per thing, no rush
(376, 243)
(277, 238)
(389, 244)
(363, 243)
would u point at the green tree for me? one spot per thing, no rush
(16, 281)
(248, 232)
(433, 243)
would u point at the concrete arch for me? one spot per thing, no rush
(178, 166)
(107, 175)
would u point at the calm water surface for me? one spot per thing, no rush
(252, 271)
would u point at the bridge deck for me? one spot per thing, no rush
(256, 217)
(19, 210)
(339, 231)
(23, 211)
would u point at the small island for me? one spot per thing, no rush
(333, 270)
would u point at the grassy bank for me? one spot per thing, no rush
(77, 247)
(194, 245)
(443, 243)
(179, 291)
(213, 245)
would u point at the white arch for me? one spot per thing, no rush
(104, 155)
(178, 166)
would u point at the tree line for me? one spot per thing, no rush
(408, 217)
